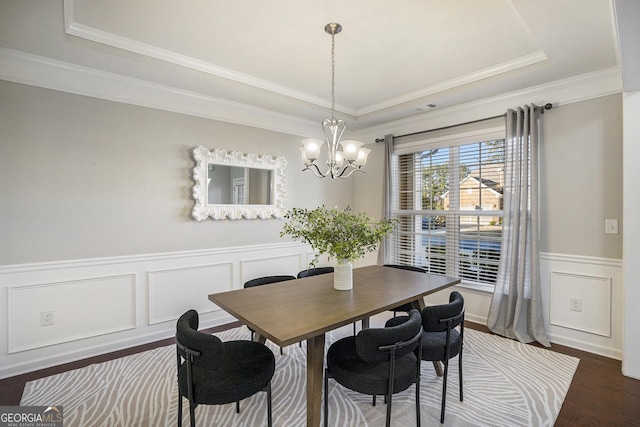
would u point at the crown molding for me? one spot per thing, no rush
(560, 92)
(25, 68)
(113, 40)
(92, 34)
(150, 51)
(109, 39)
(486, 73)
(33, 70)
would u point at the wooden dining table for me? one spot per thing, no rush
(306, 309)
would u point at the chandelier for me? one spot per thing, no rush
(340, 163)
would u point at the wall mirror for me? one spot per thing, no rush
(235, 185)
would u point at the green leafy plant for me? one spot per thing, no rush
(342, 234)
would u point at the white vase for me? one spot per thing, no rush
(343, 276)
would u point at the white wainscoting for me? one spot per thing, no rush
(597, 284)
(596, 281)
(103, 305)
(591, 300)
(270, 266)
(109, 303)
(170, 291)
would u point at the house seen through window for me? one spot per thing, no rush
(449, 201)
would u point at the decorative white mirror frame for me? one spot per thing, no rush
(204, 158)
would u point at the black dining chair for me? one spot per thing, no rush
(314, 271)
(404, 308)
(380, 361)
(213, 372)
(442, 338)
(266, 280)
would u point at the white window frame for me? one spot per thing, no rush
(451, 141)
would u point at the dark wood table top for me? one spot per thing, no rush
(295, 310)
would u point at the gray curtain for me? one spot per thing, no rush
(383, 251)
(516, 307)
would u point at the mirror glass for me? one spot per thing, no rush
(232, 185)
(235, 185)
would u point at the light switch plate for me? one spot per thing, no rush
(611, 226)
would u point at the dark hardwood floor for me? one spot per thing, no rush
(599, 394)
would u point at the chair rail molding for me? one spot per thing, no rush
(146, 286)
(34, 70)
(100, 305)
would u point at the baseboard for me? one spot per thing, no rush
(109, 304)
(152, 281)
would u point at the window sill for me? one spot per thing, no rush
(478, 287)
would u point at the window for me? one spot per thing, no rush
(448, 201)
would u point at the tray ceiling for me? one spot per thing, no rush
(391, 62)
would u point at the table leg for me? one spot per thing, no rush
(438, 367)
(315, 368)
(365, 323)
(259, 338)
(418, 304)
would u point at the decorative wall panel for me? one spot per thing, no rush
(580, 302)
(172, 292)
(79, 309)
(95, 306)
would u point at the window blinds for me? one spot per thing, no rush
(447, 198)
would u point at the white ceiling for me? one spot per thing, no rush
(391, 62)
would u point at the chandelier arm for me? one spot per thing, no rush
(351, 169)
(316, 170)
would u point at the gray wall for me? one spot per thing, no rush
(82, 178)
(581, 186)
(581, 178)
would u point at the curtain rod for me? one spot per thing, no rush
(547, 106)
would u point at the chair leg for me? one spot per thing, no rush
(389, 395)
(444, 390)
(374, 400)
(388, 400)
(179, 408)
(460, 373)
(281, 351)
(418, 399)
(269, 409)
(238, 407)
(192, 414)
(326, 398)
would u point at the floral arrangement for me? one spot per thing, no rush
(343, 235)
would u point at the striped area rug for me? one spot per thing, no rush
(506, 383)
